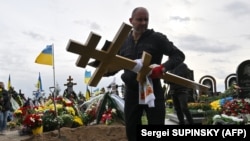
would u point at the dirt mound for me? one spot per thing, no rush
(84, 133)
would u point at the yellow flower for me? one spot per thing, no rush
(58, 106)
(215, 105)
(78, 120)
(48, 102)
(18, 112)
(11, 124)
(70, 110)
(40, 109)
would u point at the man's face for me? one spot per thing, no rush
(139, 21)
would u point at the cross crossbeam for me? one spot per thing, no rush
(110, 61)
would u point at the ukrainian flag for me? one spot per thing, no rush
(9, 83)
(45, 57)
(87, 94)
(39, 83)
(87, 76)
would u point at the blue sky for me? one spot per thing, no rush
(213, 34)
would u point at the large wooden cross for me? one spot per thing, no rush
(110, 61)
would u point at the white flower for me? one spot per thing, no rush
(247, 100)
(236, 119)
(216, 117)
(199, 110)
(224, 116)
(113, 111)
(32, 119)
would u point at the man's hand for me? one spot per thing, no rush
(156, 71)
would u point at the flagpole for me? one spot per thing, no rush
(45, 60)
(53, 68)
(86, 92)
(54, 91)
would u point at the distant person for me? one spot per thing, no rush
(180, 95)
(5, 107)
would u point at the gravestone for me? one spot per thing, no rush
(230, 80)
(209, 81)
(243, 79)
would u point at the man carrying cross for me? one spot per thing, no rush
(142, 39)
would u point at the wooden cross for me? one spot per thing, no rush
(110, 61)
(70, 83)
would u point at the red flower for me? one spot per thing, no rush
(33, 120)
(236, 107)
(108, 116)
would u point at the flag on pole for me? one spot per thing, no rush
(87, 76)
(39, 83)
(46, 56)
(9, 83)
(87, 94)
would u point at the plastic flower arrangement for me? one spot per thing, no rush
(68, 114)
(199, 106)
(217, 104)
(77, 121)
(68, 120)
(11, 124)
(236, 107)
(50, 121)
(18, 113)
(70, 110)
(227, 120)
(90, 114)
(33, 120)
(21, 113)
(108, 116)
(104, 108)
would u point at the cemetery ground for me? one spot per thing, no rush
(203, 112)
(115, 130)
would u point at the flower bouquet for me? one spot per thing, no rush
(99, 109)
(198, 109)
(233, 111)
(33, 120)
(68, 120)
(236, 107)
(50, 121)
(227, 120)
(68, 114)
(108, 116)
